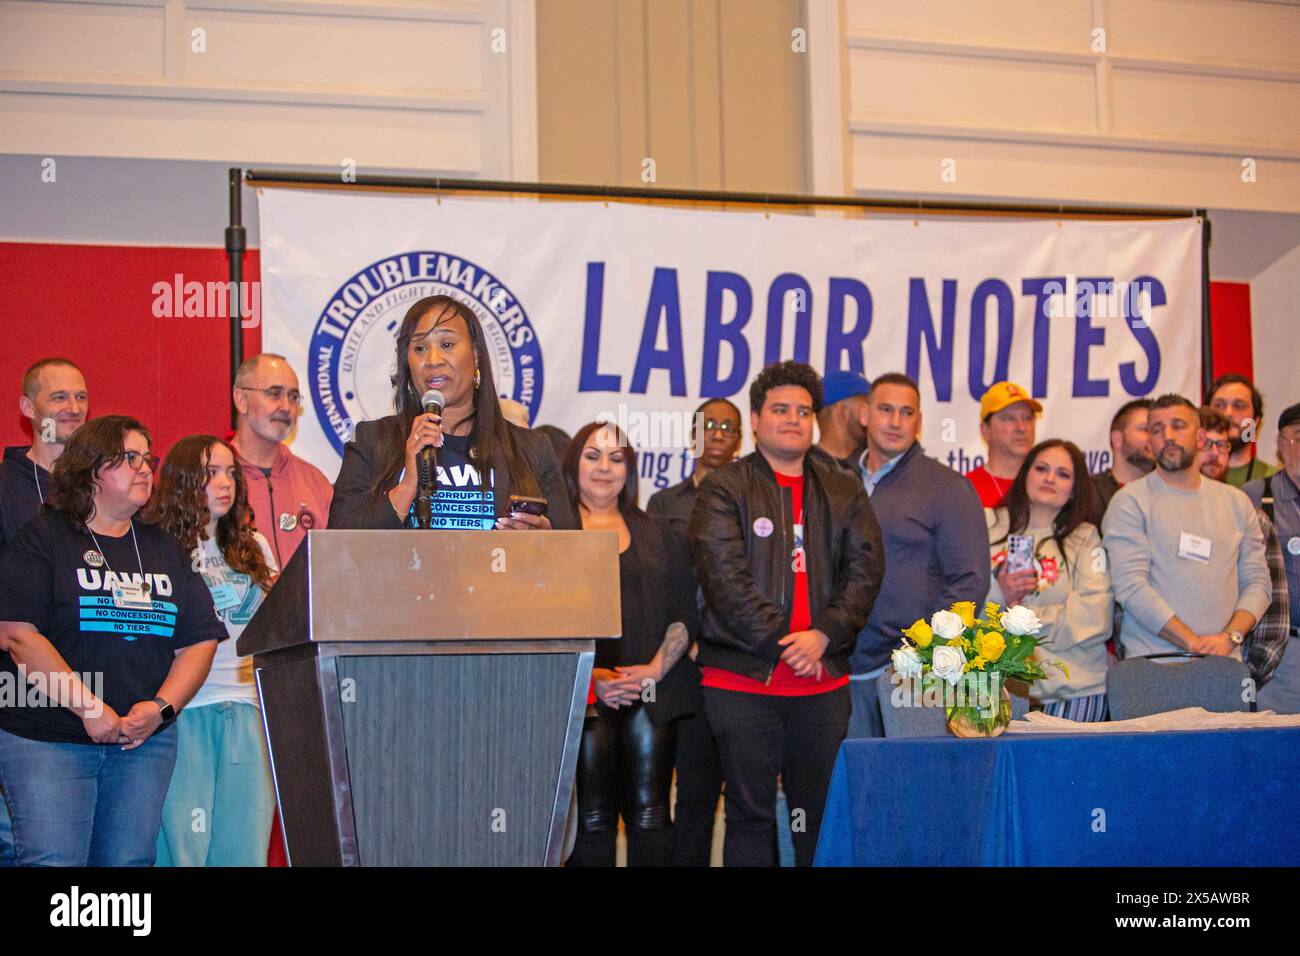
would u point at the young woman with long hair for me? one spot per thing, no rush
(222, 769)
(1053, 501)
(640, 685)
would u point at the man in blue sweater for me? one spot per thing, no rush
(936, 540)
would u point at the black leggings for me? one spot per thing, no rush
(625, 767)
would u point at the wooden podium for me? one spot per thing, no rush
(423, 692)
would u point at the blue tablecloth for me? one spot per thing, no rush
(1212, 798)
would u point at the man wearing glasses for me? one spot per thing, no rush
(288, 495)
(1215, 448)
(699, 772)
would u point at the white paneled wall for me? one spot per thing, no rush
(402, 84)
(1108, 101)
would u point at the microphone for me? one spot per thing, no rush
(428, 466)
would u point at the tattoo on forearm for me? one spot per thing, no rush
(676, 640)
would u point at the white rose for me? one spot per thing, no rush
(906, 662)
(946, 625)
(1020, 620)
(948, 663)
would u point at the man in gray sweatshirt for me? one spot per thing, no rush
(1186, 554)
(936, 541)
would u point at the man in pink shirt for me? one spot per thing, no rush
(288, 495)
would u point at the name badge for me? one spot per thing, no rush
(1194, 548)
(133, 597)
(798, 537)
(224, 596)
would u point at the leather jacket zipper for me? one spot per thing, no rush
(780, 494)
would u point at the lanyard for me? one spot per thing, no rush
(37, 475)
(144, 585)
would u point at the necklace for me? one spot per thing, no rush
(37, 476)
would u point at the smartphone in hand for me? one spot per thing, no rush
(528, 505)
(1020, 553)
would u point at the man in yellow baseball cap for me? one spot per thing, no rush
(1007, 419)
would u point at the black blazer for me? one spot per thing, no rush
(355, 507)
(667, 584)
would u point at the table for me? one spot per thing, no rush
(1189, 798)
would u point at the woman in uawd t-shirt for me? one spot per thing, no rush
(223, 774)
(481, 458)
(106, 632)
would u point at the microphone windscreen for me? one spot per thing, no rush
(432, 401)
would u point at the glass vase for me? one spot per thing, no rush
(975, 721)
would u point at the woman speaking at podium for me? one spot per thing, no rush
(482, 460)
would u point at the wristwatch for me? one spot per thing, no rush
(167, 710)
(1236, 637)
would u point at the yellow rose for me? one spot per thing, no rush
(966, 611)
(920, 634)
(992, 612)
(992, 644)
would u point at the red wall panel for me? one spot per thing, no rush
(94, 305)
(1232, 349)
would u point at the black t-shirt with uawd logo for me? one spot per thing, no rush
(55, 577)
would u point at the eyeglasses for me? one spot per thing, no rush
(1222, 445)
(139, 460)
(276, 392)
(727, 428)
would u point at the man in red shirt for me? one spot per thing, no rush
(790, 560)
(1007, 419)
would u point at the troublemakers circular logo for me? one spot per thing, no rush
(354, 338)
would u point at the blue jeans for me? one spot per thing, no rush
(85, 804)
(6, 833)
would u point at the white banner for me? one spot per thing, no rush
(618, 310)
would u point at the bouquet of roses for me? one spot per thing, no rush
(955, 642)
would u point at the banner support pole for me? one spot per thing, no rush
(236, 243)
(1207, 329)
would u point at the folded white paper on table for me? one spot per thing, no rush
(1188, 718)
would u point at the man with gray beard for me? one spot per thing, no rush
(289, 496)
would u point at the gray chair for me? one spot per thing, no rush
(908, 720)
(1141, 686)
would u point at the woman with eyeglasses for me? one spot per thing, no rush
(110, 631)
(223, 773)
(481, 458)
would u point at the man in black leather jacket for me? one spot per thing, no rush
(790, 560)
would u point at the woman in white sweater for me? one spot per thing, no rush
(1053, 501)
